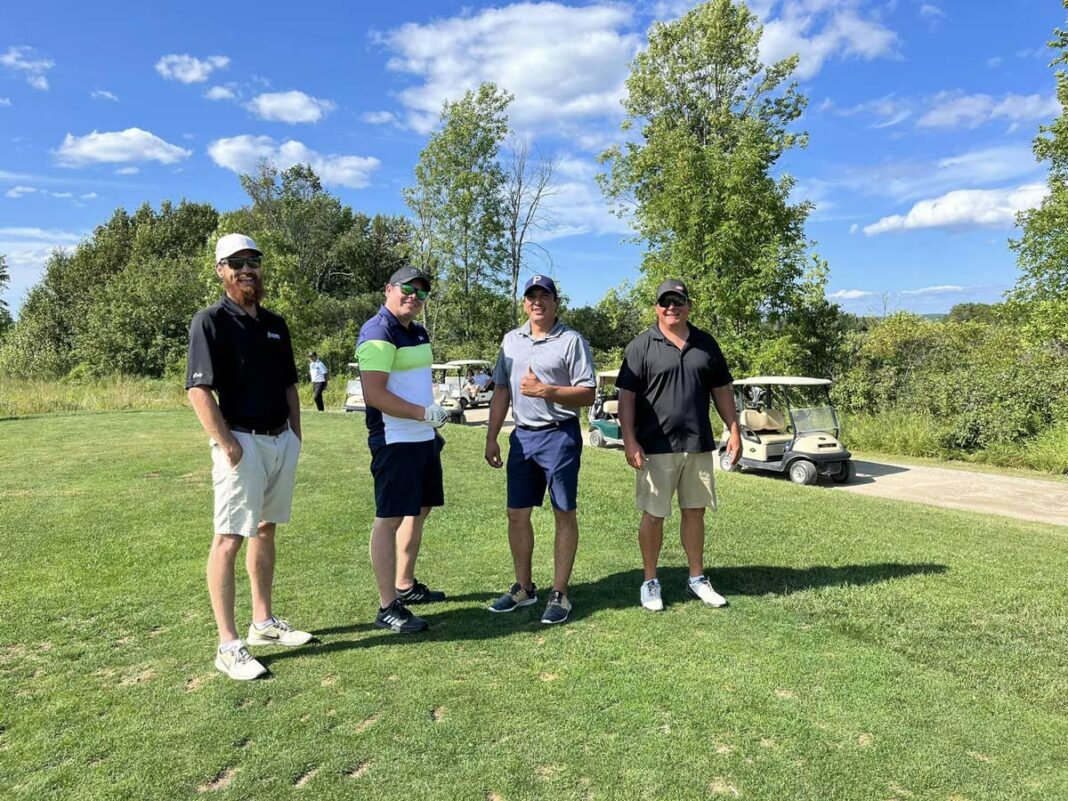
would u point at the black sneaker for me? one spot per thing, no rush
(515, 598)
(419, 593)
(557, 609)
(396, 617)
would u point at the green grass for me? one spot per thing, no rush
(873, 650)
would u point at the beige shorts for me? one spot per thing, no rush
(259, 487)
(688, 474)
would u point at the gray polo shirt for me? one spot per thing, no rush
(562, 358)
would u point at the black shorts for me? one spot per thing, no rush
(407, 477)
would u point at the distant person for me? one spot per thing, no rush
(545, 370)
(243, 353)
(668, 374)
(395, 366)
(318, 378)
(477, 382)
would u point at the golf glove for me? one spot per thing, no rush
(435, 415)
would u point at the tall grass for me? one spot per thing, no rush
(21, 397)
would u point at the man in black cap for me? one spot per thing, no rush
(243, 352)
(395, 357)
(668, 374)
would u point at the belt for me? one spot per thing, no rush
(548, 426)
(266, 432)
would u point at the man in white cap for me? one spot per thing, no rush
(243, 353)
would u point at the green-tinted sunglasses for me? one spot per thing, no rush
(408, 289)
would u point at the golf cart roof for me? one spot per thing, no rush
(467, 362)
(354, 364)
(782, 380)
(608, 375)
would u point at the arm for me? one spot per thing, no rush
(723, 397)
(532, 387)
(634, 451)
(210, 417)
(293, 399)
(376, 394)
(498, 411)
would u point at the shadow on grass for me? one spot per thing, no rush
(615, 591)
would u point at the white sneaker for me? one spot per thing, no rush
(278, 633)
(237, 663)
(651, 599)
(703, 590)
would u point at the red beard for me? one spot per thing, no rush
(245, 293)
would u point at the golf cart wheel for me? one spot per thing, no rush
(803, 472)
(596, 438)
(847, 472)
(463, 403)
(725, 463)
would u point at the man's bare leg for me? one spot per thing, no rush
(383, 549)
(521, 542)
(221, 559)
(692, 534)
(409, 538)
(565, 547)
(650, 540)
(259, 562)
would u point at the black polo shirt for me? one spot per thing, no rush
(673, 388)
(247, 360)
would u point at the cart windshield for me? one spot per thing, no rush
(809, 419)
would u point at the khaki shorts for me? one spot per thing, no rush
(688, 474)
(260, 487)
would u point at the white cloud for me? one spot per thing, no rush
(221, 93)
(563, 64)
(818, 30)
(103, 94)
(241, 154)
(19, 191)
(994, 61)
(379, 117)
(932, 12)
(888, 110)
(90, 196)
(576, 205)
(187, 69)
(850, 294)
(945, 289)
(5, 101)
(292, 107)
(26, 251)
(954, 110)
(965, 208)
(41, 235)
(22, 59)
(133, 144)
(63, 194)
(127, 170)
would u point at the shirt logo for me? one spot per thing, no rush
(273, 335)
(198, 375)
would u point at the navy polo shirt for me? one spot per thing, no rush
(247, 360)
(673, 388)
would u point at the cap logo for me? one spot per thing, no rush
(537, 278)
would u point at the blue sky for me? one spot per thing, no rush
(921, 118)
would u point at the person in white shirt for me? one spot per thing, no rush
(318, 372)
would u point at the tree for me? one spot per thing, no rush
(458, 201)
(700, 185)
(973, 312)
(1040, 296)
(527, 184)
(5, 281)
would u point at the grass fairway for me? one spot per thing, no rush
(873, 650)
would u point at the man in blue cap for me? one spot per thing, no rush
(545, 370)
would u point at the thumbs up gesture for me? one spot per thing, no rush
(530, 386)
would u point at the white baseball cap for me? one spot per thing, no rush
(233, 243)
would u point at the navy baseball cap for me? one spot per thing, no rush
(544, 281)
(672, 285)
(408, 274)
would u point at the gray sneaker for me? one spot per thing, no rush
(515, 598)
(237, 663)
(278, 633)
(557, 610)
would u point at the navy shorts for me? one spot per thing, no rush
(544, 459)
(407, 477)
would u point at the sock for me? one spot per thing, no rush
(229, 646)
(696, 579)
(261, 626)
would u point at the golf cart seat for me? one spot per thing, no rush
(768, 425)
(610, 408)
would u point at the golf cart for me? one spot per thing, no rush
(789, 426)
(448, 389)
(354, 391)
(604, 414)
(469, 396)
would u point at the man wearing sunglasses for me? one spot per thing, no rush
(394, 355)
(242, 352)
(545, 370)
(668, 375)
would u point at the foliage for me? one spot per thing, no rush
(701, 184)
(974, 312)
(5, 280)
(610, 324)
(527, 183)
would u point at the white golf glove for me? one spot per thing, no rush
(435, 415)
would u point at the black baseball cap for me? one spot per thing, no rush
(544, 281)
(672, 285)
(406, 275)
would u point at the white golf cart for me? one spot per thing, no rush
(604, 414)
(354, 391)
(472, 394)
(789, 426)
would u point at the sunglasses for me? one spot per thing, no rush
(408, 289)
(252, 262)
(674, 300)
